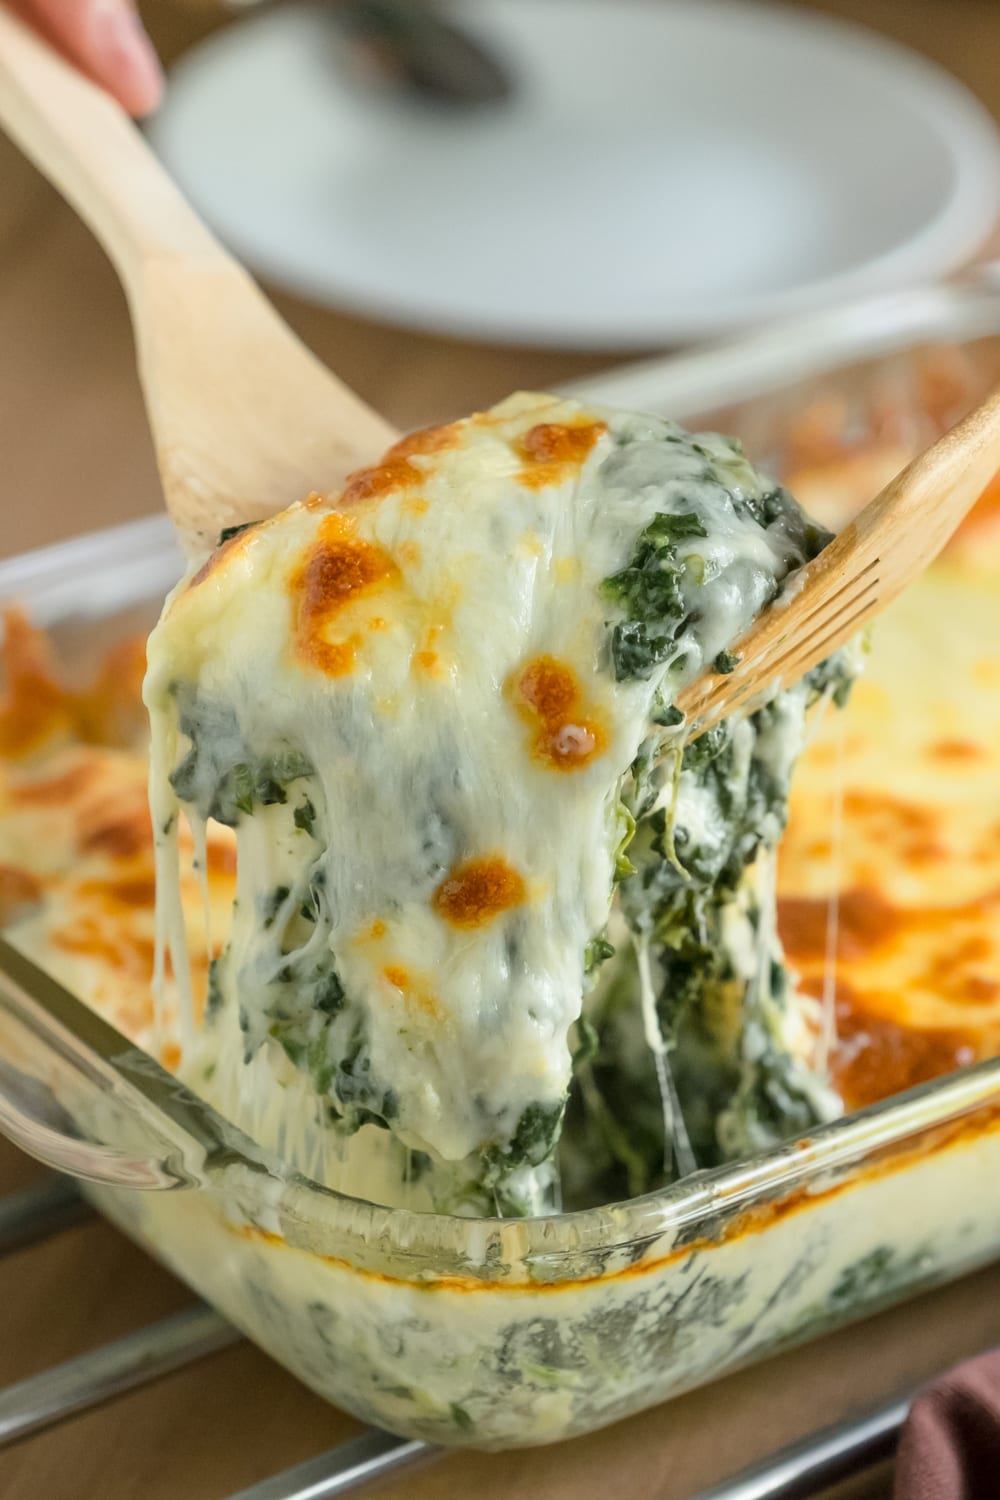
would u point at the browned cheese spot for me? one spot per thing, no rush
(547, 696)
(395, 471)
(553, 451)
(474, 893)
(19, 890)
(338, 569)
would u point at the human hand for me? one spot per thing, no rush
(106, 40)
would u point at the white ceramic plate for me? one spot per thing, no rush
(667, 169)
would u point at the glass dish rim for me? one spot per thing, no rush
(209, 1152)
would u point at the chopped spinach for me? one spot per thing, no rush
(361, 1098)
(418, 1163)
(533, 1140)
(877, 1276)
(595, 953)
(328, 993)
(228, 532)
(737, 1085)
(588, 1041)
(626, 832)
(767, 508)
(461, 1417)
(305, 816)
(649, 592)
(218, 775)
(666, 715)
(213, 1003)
(271, 903)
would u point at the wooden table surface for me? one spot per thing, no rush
(74, 454)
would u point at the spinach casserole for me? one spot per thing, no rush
(503, 938)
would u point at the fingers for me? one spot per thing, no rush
(105, 38)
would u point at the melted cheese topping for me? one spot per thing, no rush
(917, 874)
(417, 703)
(898, 923)
(77, 883)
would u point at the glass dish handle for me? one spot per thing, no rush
(75, 1093)
(32, 1118)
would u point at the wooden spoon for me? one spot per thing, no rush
(860, 572)
(245, 419)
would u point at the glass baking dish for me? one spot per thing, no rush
(497, 1333)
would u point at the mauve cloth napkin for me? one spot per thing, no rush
(950, 1444)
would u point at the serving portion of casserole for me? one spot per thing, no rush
(693, 1044)
(437, 709)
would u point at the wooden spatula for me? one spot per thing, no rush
(245, 420)
(860, 572)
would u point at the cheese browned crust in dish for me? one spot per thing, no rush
(687, 1052)
(77, 879)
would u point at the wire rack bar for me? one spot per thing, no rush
(343, 1470)
(820, 1460)
(130, 1362)
(35, 1213)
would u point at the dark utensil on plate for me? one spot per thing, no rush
(415, 44)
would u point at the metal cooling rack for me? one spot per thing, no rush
(33, 1214)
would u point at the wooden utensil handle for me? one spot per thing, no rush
(244, 418)
(89, 149)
